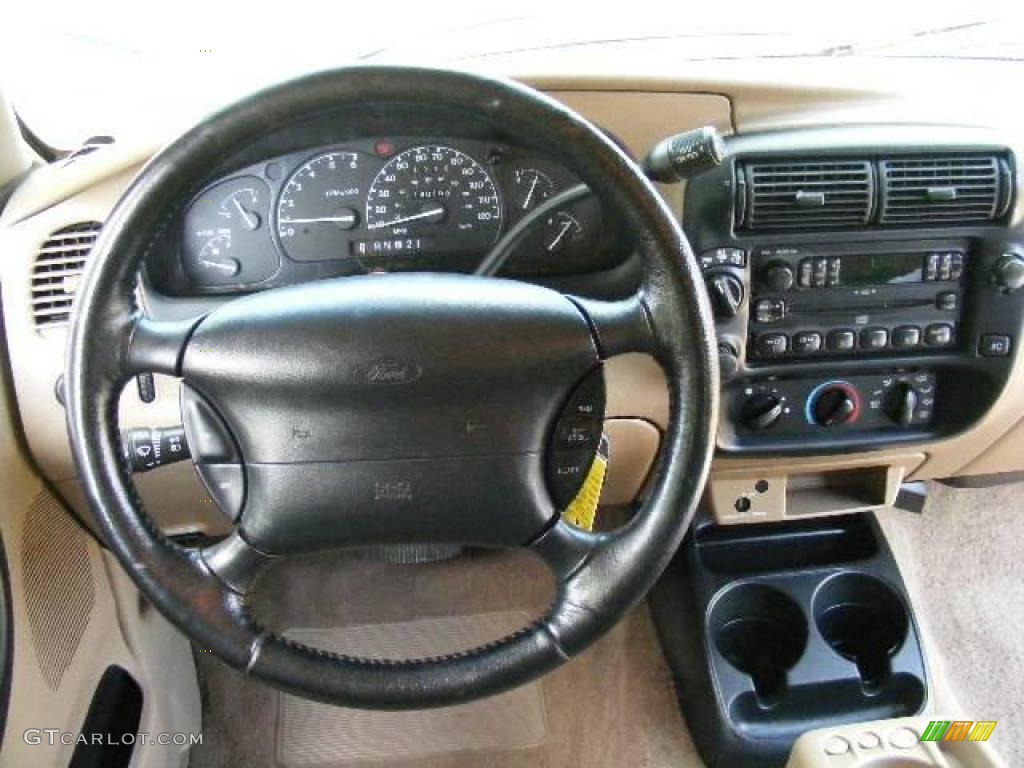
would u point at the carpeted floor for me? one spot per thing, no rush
(612, 706)
(962, 561)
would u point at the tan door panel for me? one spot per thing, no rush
(74, 614)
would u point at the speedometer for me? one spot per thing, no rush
(434, 198)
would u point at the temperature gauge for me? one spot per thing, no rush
(532, 187)
(226, 240)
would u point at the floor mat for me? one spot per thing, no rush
(611, 706)
(311, 734)
(961, 560)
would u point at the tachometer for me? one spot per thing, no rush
(433, 198)
(319, 206)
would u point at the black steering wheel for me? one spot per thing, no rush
(347, 402)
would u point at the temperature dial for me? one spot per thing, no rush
(832, 404)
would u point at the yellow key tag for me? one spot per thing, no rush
(582, 510)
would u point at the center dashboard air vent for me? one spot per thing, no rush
(58, 271)
(944, 190)
(913, 189)
(808, 194)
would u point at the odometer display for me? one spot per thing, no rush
(436, 193)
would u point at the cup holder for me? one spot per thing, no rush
(761, 632)
(863, 620)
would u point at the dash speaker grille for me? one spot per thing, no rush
(59, 591)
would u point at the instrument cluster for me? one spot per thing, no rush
(383, 205)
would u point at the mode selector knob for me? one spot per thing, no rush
(778, 276)
(726, 293)
(901, 404)
(834, 404)
(761, 411)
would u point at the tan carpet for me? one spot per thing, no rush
(612, 706)
(962, 561)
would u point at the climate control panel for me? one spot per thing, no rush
(881, 402)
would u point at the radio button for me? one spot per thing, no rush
(769, 310)
(992, 345)
(772, 344)
(835, 266)
(874, 338)
(841, 340)
(946, 267)
(938, 335)
(931, 267)
(906, 336)
(957, 269)
(947, 301)
(820, 272)
(806, 342)
(805, 273)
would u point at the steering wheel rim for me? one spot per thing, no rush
(600, 576)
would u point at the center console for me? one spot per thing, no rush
(868, 290)
(865, 294)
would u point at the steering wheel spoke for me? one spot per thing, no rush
(157, 346)
(618, 326)
(564, 549)
(236, 562)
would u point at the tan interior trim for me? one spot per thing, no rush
(15, 156)
(785, 489)
(75, 612)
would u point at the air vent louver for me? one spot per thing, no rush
(58, 270)
(943, 190)
(807, 194)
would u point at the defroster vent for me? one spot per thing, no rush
(58, 271)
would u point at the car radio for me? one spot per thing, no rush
(853, 300)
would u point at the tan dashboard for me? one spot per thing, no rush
(639, 112)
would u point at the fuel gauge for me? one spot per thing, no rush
(226, 241)
(215, 255)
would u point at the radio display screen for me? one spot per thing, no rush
(882, 269)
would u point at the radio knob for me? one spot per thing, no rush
(761, 411)
(1009, 273)
(901, 404)
(834, 405)
(726, 293)
(778, 276)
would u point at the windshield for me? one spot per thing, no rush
(75, 70)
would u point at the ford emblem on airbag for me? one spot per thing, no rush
(388, 370)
